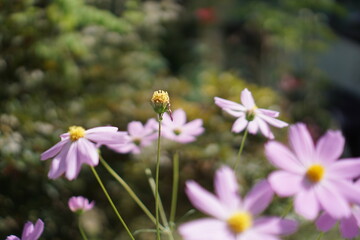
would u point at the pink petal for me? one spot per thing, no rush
(275, 226)
(182, 138)
(179, 117)
(330, 146)
(122, 148)
(273, 121)
(28, 229)
(306, 204)
(107, 137)
(349, 227)
(253, 235)
(54, 150)
(286, 184)
(12, 237)
(205, 229)
(301, 142)
(58, 164)
(38, 229)
(259, 197)
(264, 128)
(268, 112)
(102, 129)
(325, 222)
(347, 189)
(72, 165)
(194, 127)
(135, 128)
(205, 201)
(280, 156)
(253, 127)
(332, 202)
(230, 105)
(345, 168)
(239, 125)
(247, 99)
(87, 152)
(226, 188)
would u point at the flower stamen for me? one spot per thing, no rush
(315, 173)
(76, 132)
(251, 113)
(239, 222)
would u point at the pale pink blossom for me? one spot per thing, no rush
(30, 231)
(80, 204)
(250, 116)
(178, 130)
(231, 217)
(312, 173)
(77, 147)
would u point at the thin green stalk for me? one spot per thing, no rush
(288, 209)
(237, 160)
(321, 234)
(129, 190)
(174, 189)
(111, 202)
(82, 230)
(157, 182)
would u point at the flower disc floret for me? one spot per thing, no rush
(160, 96)
(315, 173)
(240, 222)
(76, 133)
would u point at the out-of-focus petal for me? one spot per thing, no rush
(87, 152)
(205, 201)
(306, 204)
(205, 229)
(27, 231)
(301, 142)
(183, 138)
(325, 222)
(275, 225)
(268, 112)
(122, 148)
(285, 184)
(273, 121)
(135, 128)
(259, 197)
(38, 229)
(102, 129)
(280, 156)
(194, 127)
(254, 235)
(227, 104)
(179, 117)
(58, 164)
(72, 166)
(264, 128)
(54, 150)
(239, 125)
(12, 237)
(247, 99)
(226, 188)
(347, 189)
(345, 169)
(349, 228)
(107, 137)
(253, 126)
(330, 146)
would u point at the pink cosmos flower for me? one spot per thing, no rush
(349, 226)
(77, 147)
(250, 116)
(180, 131)
(233, 218)
(139, 136)
(30, 232)
(312, 173)
(80, 204)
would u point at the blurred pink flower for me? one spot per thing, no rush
(233, 218)
(180, 131)
(77, 147)
(80, 204)
(250, 116)
(30, 232)
(139, 136)
(349, 226)
(312, 173)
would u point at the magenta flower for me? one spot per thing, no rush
(312, 175)
(80, 204)
(349, 226)
(250, 116)
(139, 136)
(30, 232)
(233, 218)
(77, 147)
(180, 131)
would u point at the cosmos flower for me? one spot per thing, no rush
(77, 147)
(80, 204)
(180, 131)
(30, 232)
(233, 218)
(139, 136)
(312, 173)
(349, 226)
(250, 116)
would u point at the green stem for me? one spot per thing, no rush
(320, 235)
(174, 189)
(287, 210)
(237, 160)
(157, 182)
(111, 202)
(129, 190)
(82, 230)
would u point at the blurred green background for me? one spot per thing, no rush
(97, 62)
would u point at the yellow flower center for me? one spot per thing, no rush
(315, 173)
(160, 96)
(76, 132)
(239, 222)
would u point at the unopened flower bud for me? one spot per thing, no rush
(161, 102)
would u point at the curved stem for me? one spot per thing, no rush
(157, 182)
(237, 160)
(82, 230)
(174, 189)
(287, 210)
(320, 235)
(111, 202)
(129, 190)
